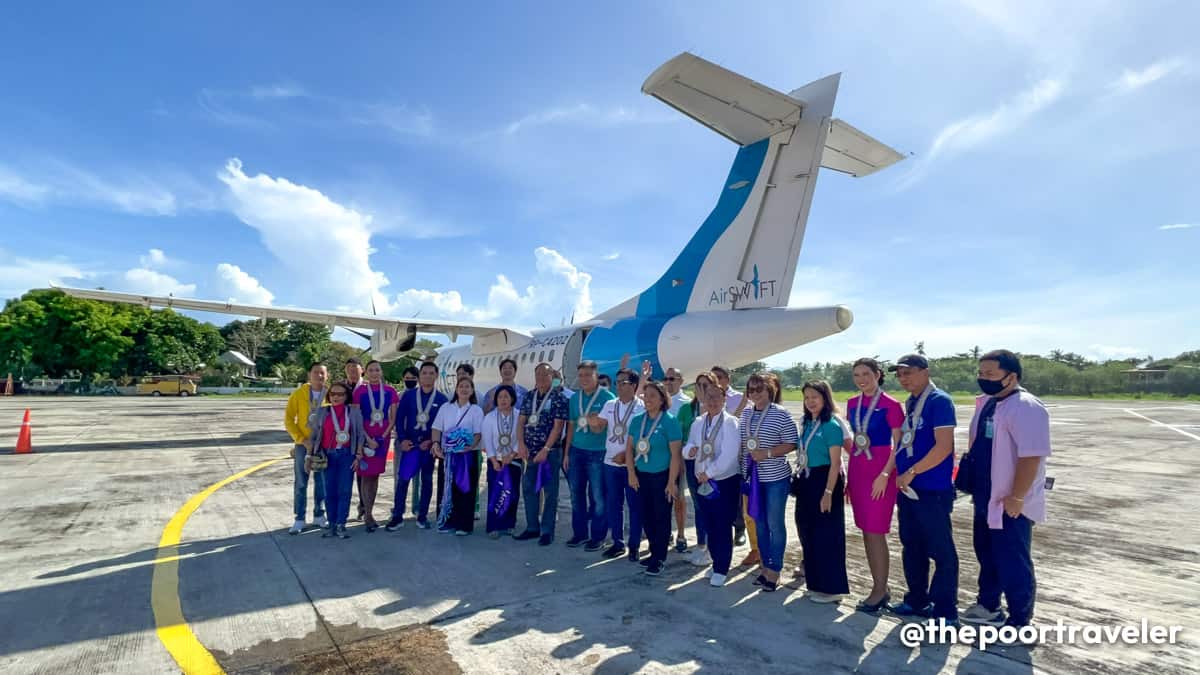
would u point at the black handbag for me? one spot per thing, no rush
(964, 479)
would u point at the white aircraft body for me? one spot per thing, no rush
(724, 298)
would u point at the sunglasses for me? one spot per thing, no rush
(337, 394)
(672, 379)
(755, 389)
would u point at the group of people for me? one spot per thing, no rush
(630, 447)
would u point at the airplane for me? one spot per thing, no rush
(733, 278)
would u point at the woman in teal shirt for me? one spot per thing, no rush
(820, 499)
(653, 457)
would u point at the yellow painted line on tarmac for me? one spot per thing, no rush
(172, 629)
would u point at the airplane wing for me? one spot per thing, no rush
(361, 321)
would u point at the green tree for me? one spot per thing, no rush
(255, 339)
(302, 345)
(61, 335)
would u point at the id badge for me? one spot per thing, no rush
(989, 429)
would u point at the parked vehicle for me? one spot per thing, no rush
(166, 385)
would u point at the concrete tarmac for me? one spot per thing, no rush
(82, 517)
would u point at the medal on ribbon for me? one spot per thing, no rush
(537, 408)
(376, 406)
(802, 455)
(423, 410)
(620, 423)
(911, 422)
(585, 409)
(862, 441)
(341, 433)
(752, 442)
(643, 444)
(505, 424)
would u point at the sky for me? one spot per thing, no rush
(498, 163)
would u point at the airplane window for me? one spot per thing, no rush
(541, 356)
(551, 356)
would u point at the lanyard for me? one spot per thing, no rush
(911, 422)
(339, 432)
(619, 426)
(376, 412)
(862, 439)
(643, 444)
(423, 409)
(802, 458)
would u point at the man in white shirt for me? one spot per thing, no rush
(616, 416)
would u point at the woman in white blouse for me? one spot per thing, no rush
(457, 430)
(503, 474)
(715, 445)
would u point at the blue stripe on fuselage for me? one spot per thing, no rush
(636, 337)
(666, 299)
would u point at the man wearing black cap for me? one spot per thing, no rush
(924, 466)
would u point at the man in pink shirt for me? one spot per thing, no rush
(1010, 441)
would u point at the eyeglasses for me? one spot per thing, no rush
(337, 394)
(624, 382)
(755, 389)
(672, 379)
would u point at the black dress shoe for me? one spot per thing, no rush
(527, 535)
(576, 542)
(545, 540)
(614, 551)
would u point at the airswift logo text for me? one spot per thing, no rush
(755, 288)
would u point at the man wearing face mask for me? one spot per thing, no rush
(410, 377)
(1010, 441)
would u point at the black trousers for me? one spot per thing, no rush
(462, 504)
(656, 511)
(926, 534)
(822, 535)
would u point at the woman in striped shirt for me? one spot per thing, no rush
(768, 435)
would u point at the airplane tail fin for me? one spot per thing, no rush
(745, 253)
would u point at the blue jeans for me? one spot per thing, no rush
(300, 488)
(424, 481)
(771, 524)
(339, 483)
(586, 478)
(1006, 565)
(697, 513)
(926, 534)
(539, 518)
(617, 495)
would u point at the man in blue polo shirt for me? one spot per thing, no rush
(924, 468)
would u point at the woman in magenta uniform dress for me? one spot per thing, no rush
(875, 419)
(378, 402)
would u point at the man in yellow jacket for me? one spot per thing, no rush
(301, 409)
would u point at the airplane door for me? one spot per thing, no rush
(570, 358)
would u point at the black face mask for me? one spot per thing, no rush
(991, 387)
(410, 384)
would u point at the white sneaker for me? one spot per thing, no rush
(297, 527)
(824, 598)
(700, 558)
(323, 523)
(717, 580)
(978, 614)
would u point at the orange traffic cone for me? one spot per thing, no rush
(24, 441)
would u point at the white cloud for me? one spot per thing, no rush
(16, 188)
(1107, 352)
(558, 291)
(585, 114)
(278, 90)
(1179, 226)
(611, 256)
(971, 132)
(1132, 80)
(326, 245)
(18, 274)
(60, 181)
(400, 119)
(151, 282)
(240, 287)
(154, 258)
